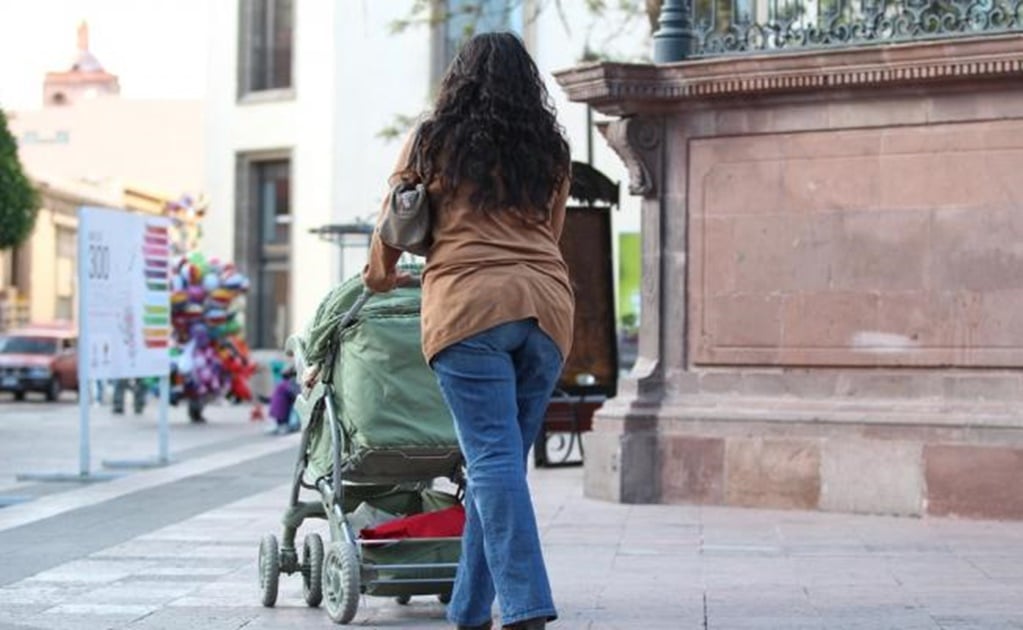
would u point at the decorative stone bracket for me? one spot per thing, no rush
(637, 141)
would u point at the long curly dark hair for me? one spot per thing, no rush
(494, 127)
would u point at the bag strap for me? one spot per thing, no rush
(412, 164)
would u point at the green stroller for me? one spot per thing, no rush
(376, 435)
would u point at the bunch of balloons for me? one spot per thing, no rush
(186, 215)
(210, 357)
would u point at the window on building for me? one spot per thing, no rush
(467, 17)
(67, 243)
(264, 243)
(265, 40)
(64, 309)
(64, 270)
(274, 189)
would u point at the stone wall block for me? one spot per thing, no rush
(974, 481)
(872, 476)
(772, 473)
(692, 469)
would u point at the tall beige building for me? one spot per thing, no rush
(86, 145)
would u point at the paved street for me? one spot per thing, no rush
(175, 547)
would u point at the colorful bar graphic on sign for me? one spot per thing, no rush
(156, 317)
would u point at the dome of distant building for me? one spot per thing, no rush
(85, 61)
(85, 79)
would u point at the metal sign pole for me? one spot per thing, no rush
(84, 456)
(84, 383)
(163, 456)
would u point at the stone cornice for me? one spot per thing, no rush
(623, 89)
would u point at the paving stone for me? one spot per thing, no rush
(979, 622)
(867, 619)
(91, 571)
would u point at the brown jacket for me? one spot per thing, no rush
(484, 269)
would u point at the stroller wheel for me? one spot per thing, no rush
(312, 570)
(403, 600)
(444, 598)
(341, 582)
(269, 570)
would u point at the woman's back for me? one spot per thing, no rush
(488, 268)
(496, 165)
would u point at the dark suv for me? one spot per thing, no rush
(38, 359)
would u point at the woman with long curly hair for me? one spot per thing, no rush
(497, 305)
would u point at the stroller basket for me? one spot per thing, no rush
(410, 566)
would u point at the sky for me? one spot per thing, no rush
(156, 47)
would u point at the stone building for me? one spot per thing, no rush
(832, 302)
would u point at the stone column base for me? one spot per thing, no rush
(883, 457)
(619, 466)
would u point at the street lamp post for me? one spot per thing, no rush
(675, 36)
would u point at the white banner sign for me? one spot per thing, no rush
(124, 290)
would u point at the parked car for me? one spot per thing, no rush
(38, 359)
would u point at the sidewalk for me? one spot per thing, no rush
(612, 566)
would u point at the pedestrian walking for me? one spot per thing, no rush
(138, 394)
(282, 402)
(497, 305)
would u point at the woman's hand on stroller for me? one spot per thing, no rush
(388, 282)
(309, 376)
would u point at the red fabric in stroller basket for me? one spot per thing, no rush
(445, 523)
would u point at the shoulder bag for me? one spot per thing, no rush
(407, 224)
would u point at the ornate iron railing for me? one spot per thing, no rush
(702, 28)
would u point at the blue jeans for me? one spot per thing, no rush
(498, 384)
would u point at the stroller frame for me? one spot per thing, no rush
(340, 572)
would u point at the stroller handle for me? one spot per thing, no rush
(355, 308)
